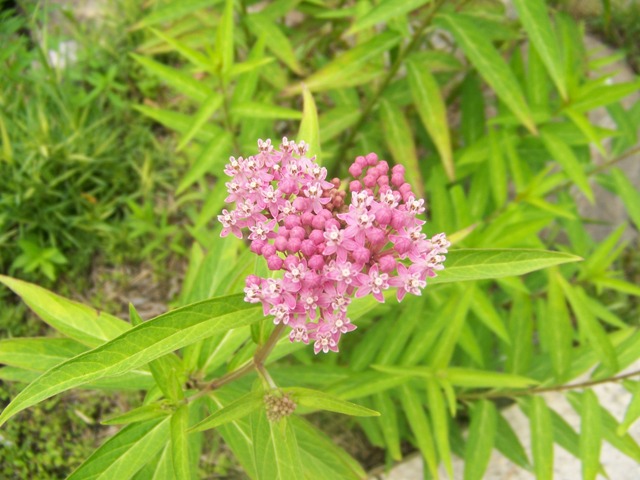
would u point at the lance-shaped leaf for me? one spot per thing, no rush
(275, 448)
(388, 424)
(508, 443)
(440, 419)
(176, 79)
(75, 320)
(318, 400)
(432, 110)
(125, 453)
(172, 11)
(275, 40)
(471, 378)
(211, 155)
(541, 438)
(140, 414)
(139, 346)
(38, 354)
(236, 410)
(493, 68)
(348, 69)
(383, 12)
(590, 435)
(208, 108)
(482, 433)
(478, 264)
(535, 19)
(179, 443)
(309, 127)
(400, 142)
(420, 426)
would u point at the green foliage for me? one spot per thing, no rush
(506, 180)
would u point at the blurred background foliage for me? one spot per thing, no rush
(115, 130)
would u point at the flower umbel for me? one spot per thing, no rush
(329, 251)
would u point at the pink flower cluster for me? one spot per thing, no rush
(329, 251)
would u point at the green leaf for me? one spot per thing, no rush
(388, 422)
(432, 110)
(589, 99)
(239, 408)
(443, 351)
(275, 40)
(210, 155)
(497, 169)
(138, 346)
(79, 322)
(178, 122)
(478, 264)
(38, 354)
(321, 458)
(628, 194)
(179, 443)
(350, 68)
(489, 63)
(208, 108)
(589, 325)
(633, 409)
(535, 19)
(309, 126)
(563, 154)
(482, 432)
(140, 414)
(275, 448)
(249, 110)
(383, 12)
(440, 419)
(541, 438)
(125, 453)
(590, 435)
(176, 79)
(365, 384)
(172, 12)
(224, 41)
(399, 140)
(195, 57)
(483, 308)
(556, 332)
(420, 426)
(471, 378)
(508, 443)
(323, 401)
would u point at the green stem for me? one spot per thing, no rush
(373, 100)
(554, 388)
(257, 363)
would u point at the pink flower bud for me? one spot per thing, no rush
(289, 261)
(274, 262)
(383, 181)
(369, 181)
(372, 159)
(384, 216)
(300, 204)
(387, 264)
(330, 223)
(306, 219)
(361, 161)
(283, 232)
(402, 245)
(361, 255)
(318, 222)
(308, 247)
(257, 245)
(297, 232)
(355, 186)
(398, 220)
(326, 214)
(355, 170)
(280, 243)
(383, 166)
(268, 250)
(293, 245)
(404, 188)
(288, 186)
(317, 236)
(398, 169)
(316, 262)
(376, 236)
(397, 179)
(291, 221)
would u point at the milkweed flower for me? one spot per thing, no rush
(329, 244)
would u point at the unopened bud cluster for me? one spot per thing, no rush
(278, 407)
(330, 245)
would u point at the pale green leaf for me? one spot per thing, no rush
(181, 82)
(75, 320)
(239, 408)
(541, 438)
(204, 113)
(348, 69)
(590, 435)
(482, 432)
(140, 414)
(255, 110)
(211, 154)
(420, 426)
(173, 11)
(318, 400)
(384, 11)
(535, 19)
(275, 40)
(225, 37)
(38, 354)
(275, 449)
(563, 154)
(488, 61)
(432, 110)
(179, 443)
(309, 130)
(122, 455)
(440, 419)
(471, 378)
(399, 140)
(477, 264)
(629, 195)
(138, 346)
